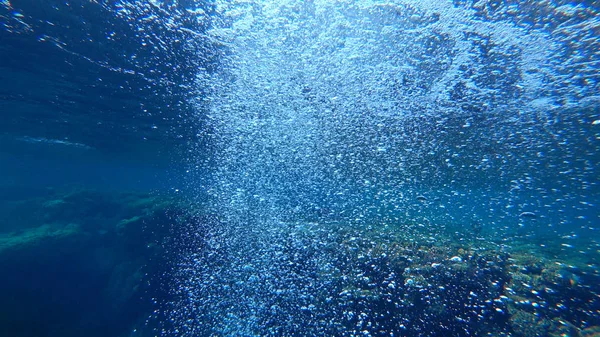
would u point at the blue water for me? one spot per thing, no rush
(333, 168)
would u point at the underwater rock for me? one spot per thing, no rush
(369, 280)
(83, 249)
(554, 291)
(378, 280)
(420, 288)
(593, 331)
(525, 324)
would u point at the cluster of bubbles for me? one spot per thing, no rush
(379, 113)
(345, 107)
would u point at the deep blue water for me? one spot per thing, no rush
(308, 168)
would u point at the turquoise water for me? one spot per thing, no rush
(299, 168)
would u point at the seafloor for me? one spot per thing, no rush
(79, 262)
(89, 263)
